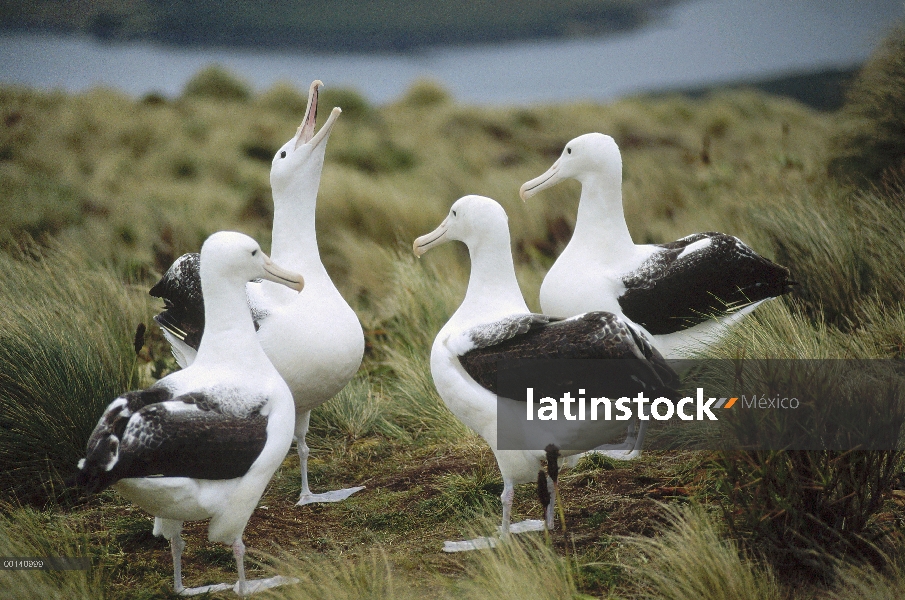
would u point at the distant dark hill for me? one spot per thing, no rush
(823, 90)
(328, 25)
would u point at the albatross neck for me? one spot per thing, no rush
(600, 225)
(493, 289)
(229, 338)
(294, 241)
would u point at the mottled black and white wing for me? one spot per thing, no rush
(495, 332)
(692, 279)
(186, 436)
(593, 335)
(180, 290)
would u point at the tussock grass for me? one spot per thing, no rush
(469, 494)
(692, 560)
(189, 167)
(525, 567)
(25, 532)
(358, 411)
(369, 577)
(872, 142)
(422, 300)
(217, 83)
(841, 246)
(66, 350)
(855, 583)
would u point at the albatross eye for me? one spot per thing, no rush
(454, 213)
(283, 154)
(254, 252)
(568, 151)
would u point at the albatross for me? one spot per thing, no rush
(493, 323)
(673, 290)
(314, 338)
(203, 442)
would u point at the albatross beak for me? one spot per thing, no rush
(550, 178)
(306, 129)
(277, 274)
(324, 133)
(429, 240)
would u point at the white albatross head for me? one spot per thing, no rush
(472, 220)
(589, 154)
(303, 155)
(235, 257)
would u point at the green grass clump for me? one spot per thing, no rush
(27, 533)
(66, 351)
(856, 583)
(692, 560)
(217, 83)
(525, 567)
(355, 106)
(425, 93)
(469, 494)
(872, 142)
(283, 97)
(422, 302)
(841, 246)
(367, 578)
(358, 411)
(804, 510)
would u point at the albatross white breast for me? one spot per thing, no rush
(671, 290)
(314, 338)
(493, 323)
(203, 442)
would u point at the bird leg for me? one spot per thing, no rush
(543, 494)
(506, 498)
(520, 527)
(244, 587)
(239, 553)
(172, 531)
(306, 497)
(553, 470)
(489, 542)
(506, 528)
(177, 545)
(302, 425)
(549, 510)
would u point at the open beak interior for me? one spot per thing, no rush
(306, 129)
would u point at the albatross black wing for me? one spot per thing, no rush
(186, 436)
(595, 335)
(180, 289)
(701, 275)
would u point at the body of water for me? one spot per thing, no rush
(699, 42)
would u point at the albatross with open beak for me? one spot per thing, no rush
(314, 338)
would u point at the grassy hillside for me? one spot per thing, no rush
(114, 188)
(143, 181)
(329, 25)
